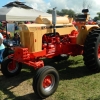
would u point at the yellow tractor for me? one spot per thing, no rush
(51, 37)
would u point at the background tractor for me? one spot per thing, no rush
(51, 37)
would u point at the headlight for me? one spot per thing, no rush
(10, 44)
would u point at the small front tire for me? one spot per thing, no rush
(45, 81)
(10, 68)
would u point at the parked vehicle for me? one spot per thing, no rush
(50, 37)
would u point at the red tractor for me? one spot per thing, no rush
(50, 37)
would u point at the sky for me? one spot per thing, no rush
(76, 5)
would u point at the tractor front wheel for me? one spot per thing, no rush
(10, 68)
(45, 81)
(91, 51)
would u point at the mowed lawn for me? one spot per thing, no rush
(76, 82)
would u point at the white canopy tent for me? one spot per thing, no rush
(20, 14)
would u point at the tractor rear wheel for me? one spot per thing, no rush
(45, 81)
(10, 68)
(91, 51)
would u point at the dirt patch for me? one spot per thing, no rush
(18, 87)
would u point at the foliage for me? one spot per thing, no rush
(97, 17)
(71, 13)
(63, 12)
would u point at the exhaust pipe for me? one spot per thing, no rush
(54, 20)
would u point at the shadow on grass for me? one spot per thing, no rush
(67, 70)
(30, 96)
(7, 84)
(70, 69)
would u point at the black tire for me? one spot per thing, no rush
(8, 70)
(61, 57)
(90, 51)
(41, 74)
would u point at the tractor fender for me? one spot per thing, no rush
(84, 31)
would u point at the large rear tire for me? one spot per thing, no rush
(10, 68)
(45, 81)
(91, 51)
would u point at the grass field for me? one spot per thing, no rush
(76, 82)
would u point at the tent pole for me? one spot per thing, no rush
(6, 32)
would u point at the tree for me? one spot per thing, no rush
(97, 17)
(98, 13)
(49, 11)
(63, 12)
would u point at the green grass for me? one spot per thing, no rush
(76, 83)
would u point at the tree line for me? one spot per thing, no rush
(63, 12)
(71, 13)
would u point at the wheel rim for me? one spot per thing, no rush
(48, 82)
(12, 66)
(99, 52)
